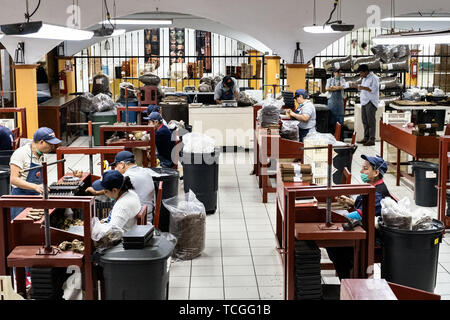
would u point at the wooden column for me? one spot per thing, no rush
(69, 74)
(254, 62)
(26, 93)
(272, 74)
(296, 77)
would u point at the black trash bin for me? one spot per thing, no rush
(170, 178)
(410, 258)
(201, 175)
(342, 159)
(5, 172)
(138, 274)
(425, 181)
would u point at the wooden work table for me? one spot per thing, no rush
(404, 140)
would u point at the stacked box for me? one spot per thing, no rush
(307, 271)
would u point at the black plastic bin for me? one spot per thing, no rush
(410, 258)
(340, 161)
(201, 175)
(425, 181)
(5, 173)
(138, 274)
(322, 116)
(170, 178)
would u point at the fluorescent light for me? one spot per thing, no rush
(418, 19)
(137, 21)
(413, 39)
(319, 29)
(48, 31)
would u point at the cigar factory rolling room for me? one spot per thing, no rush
(267, 151)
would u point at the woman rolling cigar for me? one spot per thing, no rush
(305, 113)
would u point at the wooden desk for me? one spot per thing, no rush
(443, 178)
(295, 222)
(404, 140)
(130, 144)
(57, 112)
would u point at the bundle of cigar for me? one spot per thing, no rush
(35, 214)
(425, 129)
(296, 172)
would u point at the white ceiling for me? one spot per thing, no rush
(275, 24)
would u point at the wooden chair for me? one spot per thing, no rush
(346, 176)
(354, 137)
(447, 130)
(142, 216)
(337, 131)
(16, 142)
(158, 206)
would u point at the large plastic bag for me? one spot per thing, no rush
(100, 84)
(289, 130)
(245, 99)
(102, 102)
(105, 235)
(86, 102)
(344, 63)
(198, 143)
(204, 87)
(187, 224)
(384, 52)
(270, 112)
(150, 79)
(389, 83)
(131, 91)
(319, 139)
(72, 287)
(373, 62)
(396, 214)
(400, 64)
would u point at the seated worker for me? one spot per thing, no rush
(372, 172)
(227, 89)
(127, 206)
(141, 179)
(154, 107)
(164, 142)
(6, 138)
(30, 156)
(305, 113)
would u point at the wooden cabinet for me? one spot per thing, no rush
(57, 112)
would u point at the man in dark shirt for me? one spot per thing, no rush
(372, 172)
(163, 136)
(6, 138)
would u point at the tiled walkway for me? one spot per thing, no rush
(240, 260)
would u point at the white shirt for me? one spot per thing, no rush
(372, 82)
(22, 157)
(307, 109)
(142, 181)
(125, 211)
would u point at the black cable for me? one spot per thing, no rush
(28, 16)
(108, 16)
(332, 11)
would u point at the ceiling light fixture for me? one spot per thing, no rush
(319, 29)
(329, 27)
(418, 19)
(421, 37)
(139, 22)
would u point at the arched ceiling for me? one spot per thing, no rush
(276, 24)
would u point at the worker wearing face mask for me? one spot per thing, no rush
(27, 157)
(335, 90)
(372, 172)
(305, 113)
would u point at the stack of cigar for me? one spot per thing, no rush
(296, 172)
(425, 129)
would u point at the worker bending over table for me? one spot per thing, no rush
(227, 89)
(127, 204)
(141, 178)
(372, 172)
(163, 140)
(305, 113)
(6, 138)
(27, 157)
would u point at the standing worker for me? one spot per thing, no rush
(28, 157)
(335, 89)
(163, 140)
(227, 89)
(6, 138)
(369, 103)
(305, 113)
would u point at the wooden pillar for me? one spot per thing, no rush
(255, 61)
(70, 72)
(26, 93)
(296, 77)
(272, 74)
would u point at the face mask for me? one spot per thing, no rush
(39, 153)
(365, 177)
(112, 199)
(337, 77)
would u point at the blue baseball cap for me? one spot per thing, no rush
(151, 108)
(378, 162)
(46, 134)
(154, 116)
(301, 92)
(123, 156)
(110, 179)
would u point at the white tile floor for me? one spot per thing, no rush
(240, 260)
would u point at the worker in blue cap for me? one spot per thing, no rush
(127, 204)
(163, 140)
(6, 138)
(27, 157)
(154, 108)
(305, 113)
(227, 89)
(372, 172)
